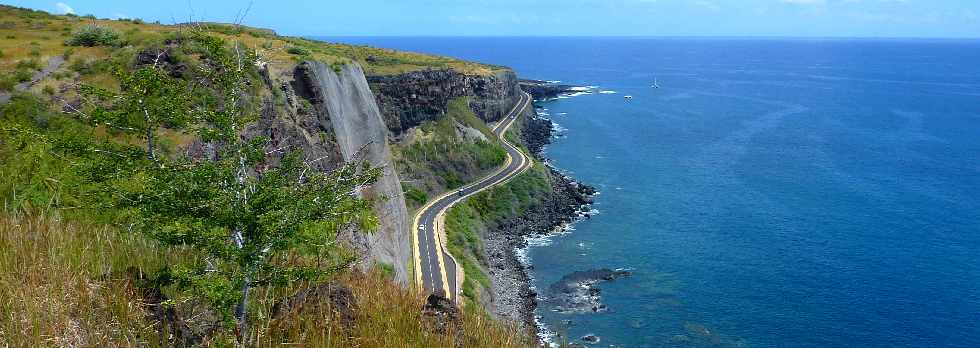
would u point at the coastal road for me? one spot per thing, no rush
(436, 271)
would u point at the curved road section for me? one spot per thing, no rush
(436, 271)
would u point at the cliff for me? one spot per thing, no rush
(411, 98)
(343, 101)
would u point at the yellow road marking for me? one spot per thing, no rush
(439, 219)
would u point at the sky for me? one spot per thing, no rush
(782, 18)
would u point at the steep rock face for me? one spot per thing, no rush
(343, 102)
(411, 98)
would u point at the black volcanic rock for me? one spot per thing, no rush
(406, 100)
(579, 292)
(544, 89)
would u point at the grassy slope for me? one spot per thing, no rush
(67, 283)
(440, 158)
(65, 280)
(468, 221)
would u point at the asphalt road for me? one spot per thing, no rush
(436, 269)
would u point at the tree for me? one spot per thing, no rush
(149, 99)
(252, 227)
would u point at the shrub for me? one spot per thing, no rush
(415, 195)
(7, 83)
(84, 67)
(94, 35)
(300, 51)
(23, 75)
(30, 64)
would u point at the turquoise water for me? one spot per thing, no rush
(774, 193)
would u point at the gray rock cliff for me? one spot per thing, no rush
(343, 102)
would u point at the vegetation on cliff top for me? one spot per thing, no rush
(36, 35)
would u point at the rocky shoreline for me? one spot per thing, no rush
(513, 298)
(544, 89)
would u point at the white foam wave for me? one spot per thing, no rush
(608, 92)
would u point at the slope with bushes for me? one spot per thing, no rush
(79, 269)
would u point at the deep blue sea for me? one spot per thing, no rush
(773, 192)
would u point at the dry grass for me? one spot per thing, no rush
(22, 30)
(66, 284)
(388, 316)
(61, 284)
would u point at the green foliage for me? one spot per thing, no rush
(150, 99)
(94, 35)
(22, 75)
(466, 221)
(30, 64)
(89, 67)
(254, 226)
(298, 50)
(444, 155)
(415, 195)
(7, 83)
(44, 156)
(462, 224)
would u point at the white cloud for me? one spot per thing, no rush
(63, 8)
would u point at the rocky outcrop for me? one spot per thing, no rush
(343, 102)
(578, 292)
(544, 89)
(536, 133)
(408, 99)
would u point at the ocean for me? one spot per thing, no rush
(772, 192)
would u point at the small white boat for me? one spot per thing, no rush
(628, 97)
(656, 84)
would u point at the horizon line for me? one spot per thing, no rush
(654, 37)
